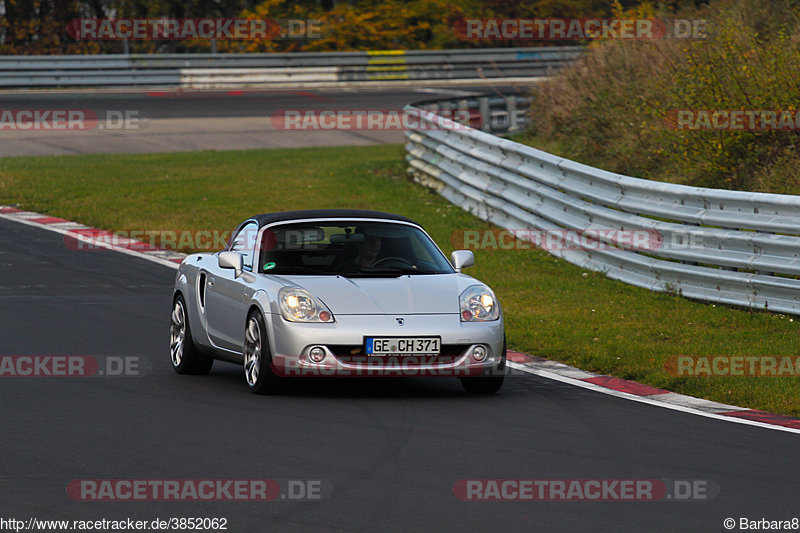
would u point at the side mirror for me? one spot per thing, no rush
(231, 260)
(462, 259)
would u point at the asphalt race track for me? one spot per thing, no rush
(169, 121)
(387, 453)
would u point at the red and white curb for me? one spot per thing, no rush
(631, 390)
(621, 388)
(97, 238)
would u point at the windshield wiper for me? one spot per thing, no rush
(386, 271)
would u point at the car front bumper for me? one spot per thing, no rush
(342, 343)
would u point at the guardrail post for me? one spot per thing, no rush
(463, 105)
(483, 109)
(511, 108)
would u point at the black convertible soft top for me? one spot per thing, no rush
(283, 216)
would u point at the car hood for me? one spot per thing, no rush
(416, 294)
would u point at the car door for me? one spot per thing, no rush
(225, 293)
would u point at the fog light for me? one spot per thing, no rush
(317, 354)
(479, 353)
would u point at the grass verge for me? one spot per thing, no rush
(553, 309)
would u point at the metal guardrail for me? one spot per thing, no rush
(732, 247)
(258, 70)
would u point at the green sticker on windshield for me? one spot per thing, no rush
(269, 266)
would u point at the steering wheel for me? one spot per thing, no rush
(391, 258)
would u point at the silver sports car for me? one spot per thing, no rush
(336, 293)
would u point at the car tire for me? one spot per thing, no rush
(486, 385)
(186, 358)
(258, 358)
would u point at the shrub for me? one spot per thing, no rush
(612, 108)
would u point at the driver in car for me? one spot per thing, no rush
(368, 251)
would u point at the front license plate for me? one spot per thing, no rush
(403, 345)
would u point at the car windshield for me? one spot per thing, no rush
(351, 249)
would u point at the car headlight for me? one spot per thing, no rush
(298, 305)
(478, 304)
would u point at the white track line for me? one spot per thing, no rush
(649, 401)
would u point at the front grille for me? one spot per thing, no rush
(354, 354)
(406, 361)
